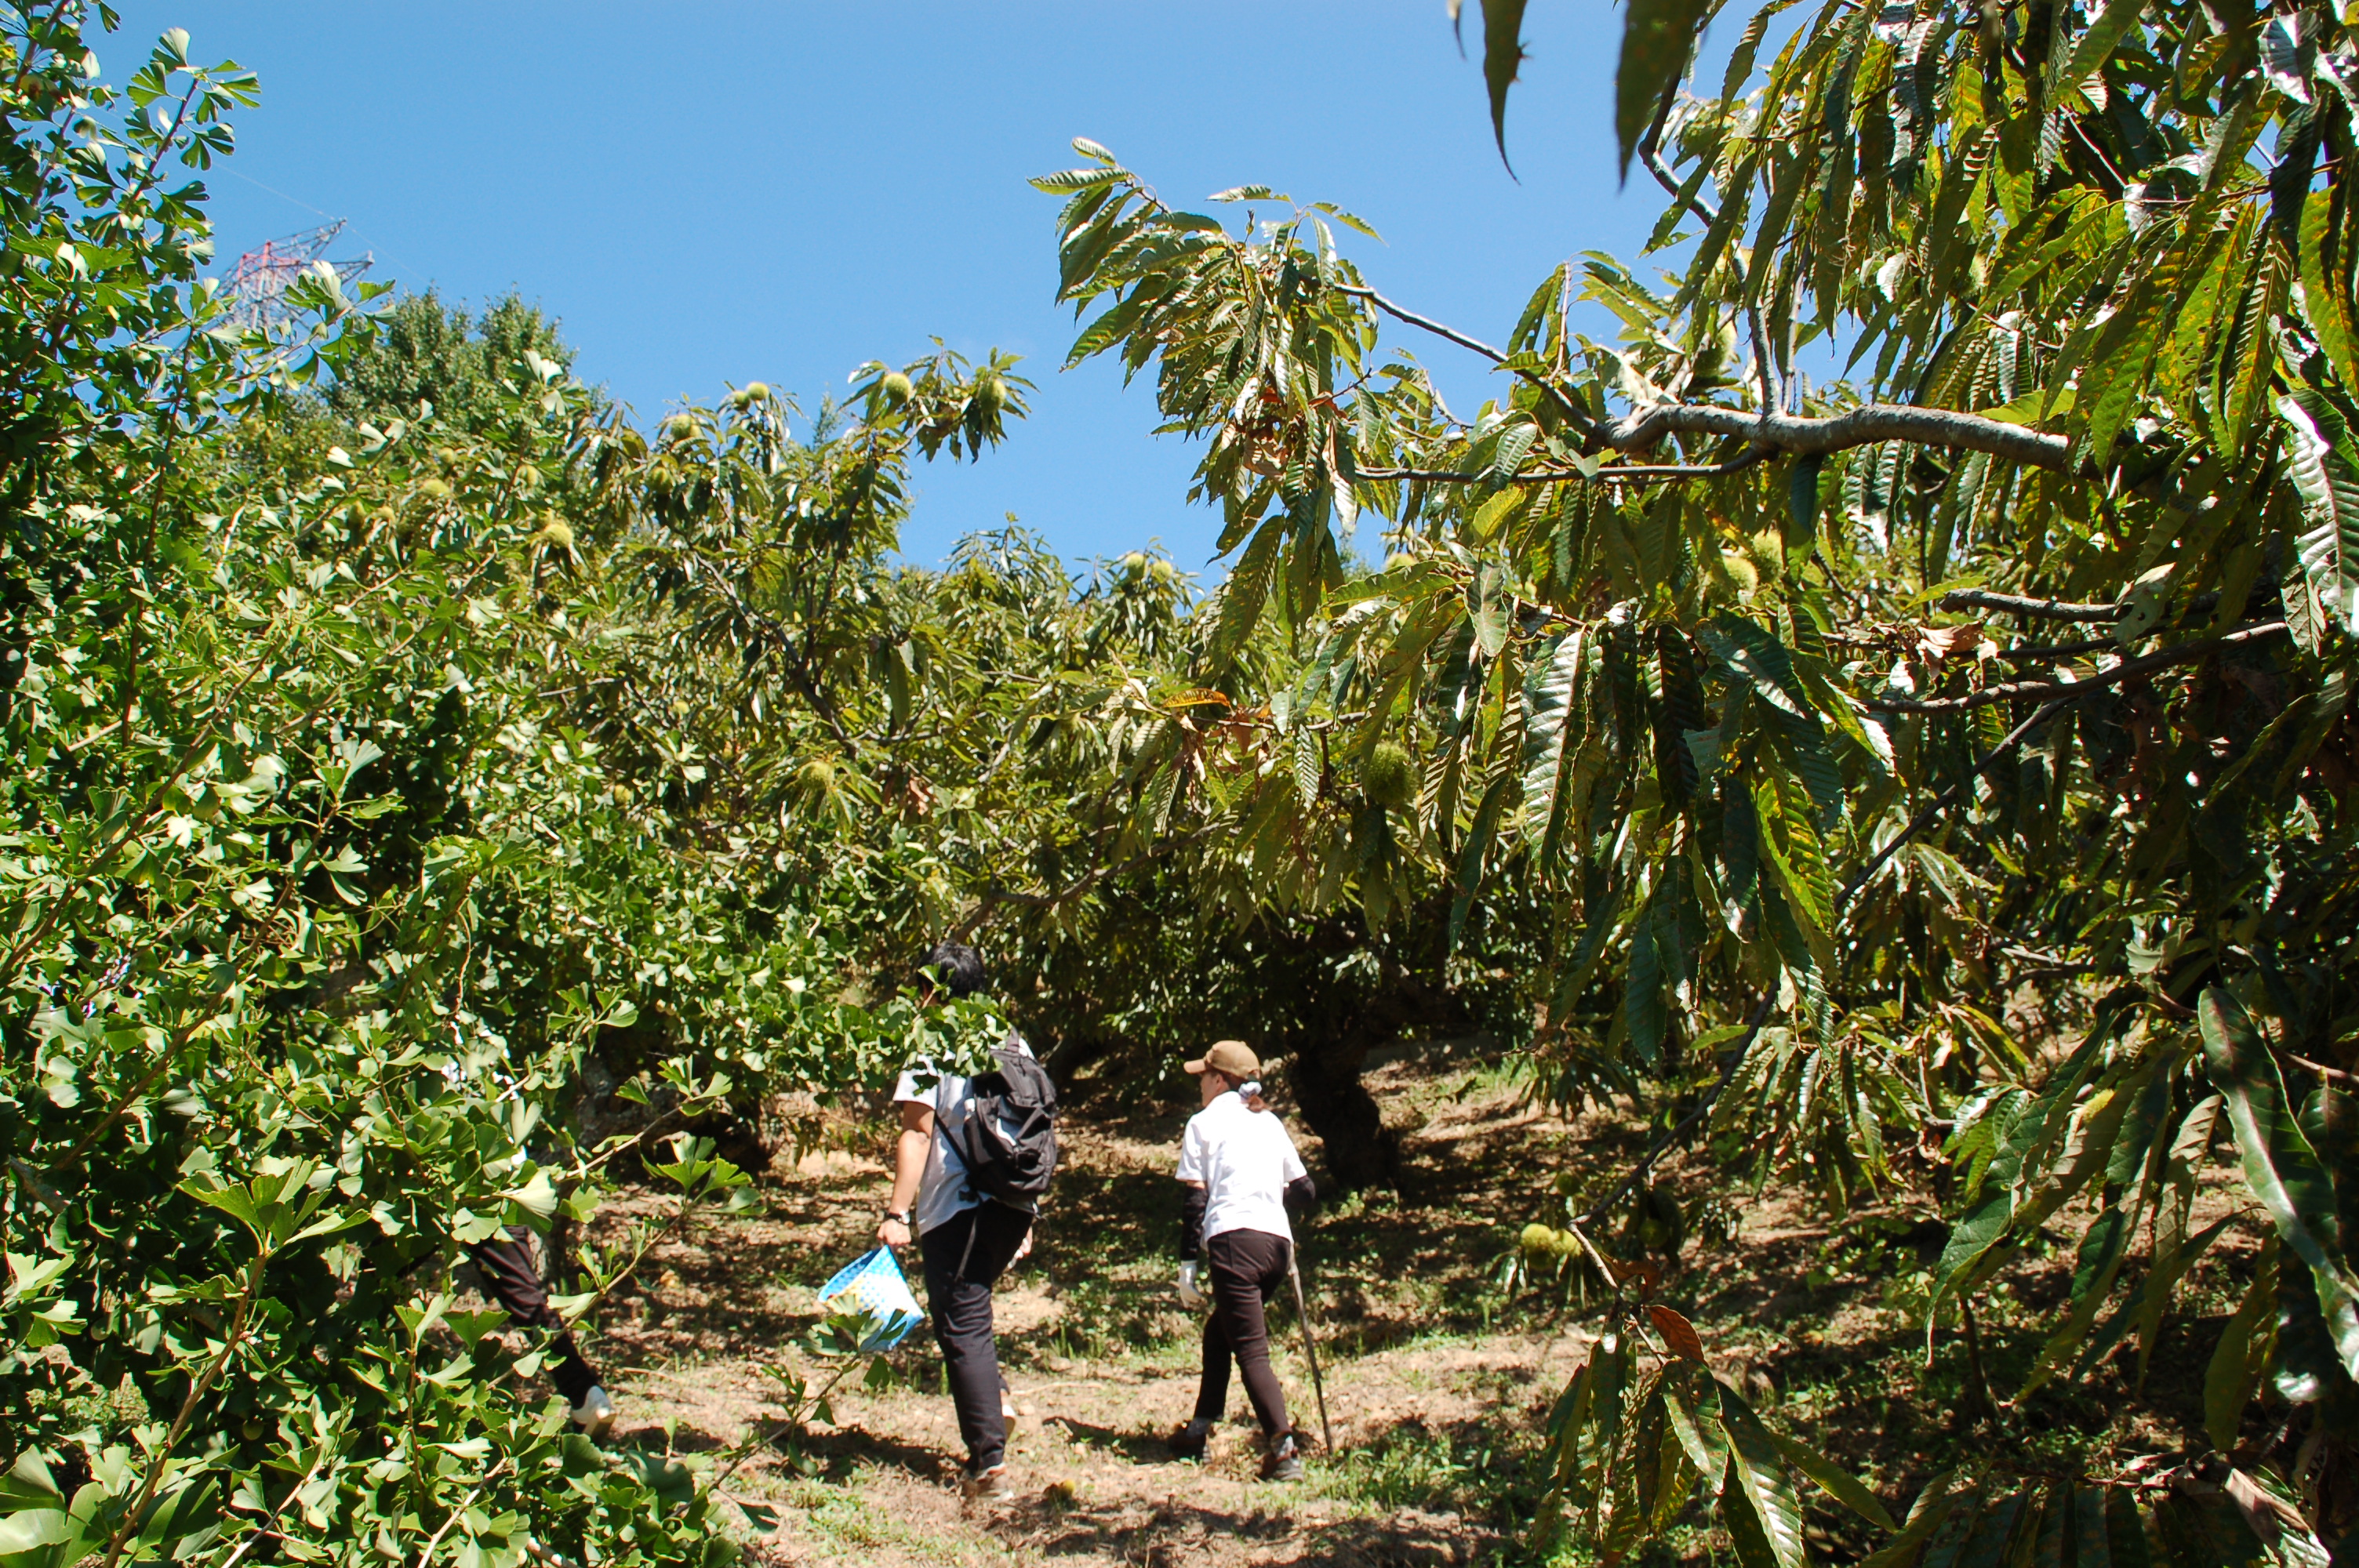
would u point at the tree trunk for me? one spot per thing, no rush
(1362, 1151)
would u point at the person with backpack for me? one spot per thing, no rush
(973, 1157)
(1242, 1173)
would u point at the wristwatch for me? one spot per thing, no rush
(899, 1215)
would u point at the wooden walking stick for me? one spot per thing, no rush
(1311, 1350)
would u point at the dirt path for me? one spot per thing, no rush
(1103, 1365)
(1438, 1378)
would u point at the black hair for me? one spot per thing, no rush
(960, 965)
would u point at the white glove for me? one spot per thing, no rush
(1189, 1296)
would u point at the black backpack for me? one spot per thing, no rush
(1008, 1140)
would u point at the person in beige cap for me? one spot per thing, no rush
(1242, 1171)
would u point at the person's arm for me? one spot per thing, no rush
(1193, 1199)
(1191, 1221)
(1301, 1195)
(1192, 1242)
(910, 1152)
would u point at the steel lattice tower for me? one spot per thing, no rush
(258, 284)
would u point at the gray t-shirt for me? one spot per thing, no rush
(942, 1192)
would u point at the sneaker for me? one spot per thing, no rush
(990, 1485)
(1190, 1441)
(596, 1413)
(1285, 1460)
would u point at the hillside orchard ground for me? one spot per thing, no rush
(1439, 1380)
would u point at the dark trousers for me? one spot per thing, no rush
(964, 1256)
(506, 1263)
(1247, 1267)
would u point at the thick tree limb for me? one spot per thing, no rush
(2016, 604)
(1805, 435)
(2051, 609)
(2019, 690)
(1638, 471)
(1801, 434)
(2059, 650)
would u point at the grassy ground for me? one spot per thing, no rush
(1439, 1377)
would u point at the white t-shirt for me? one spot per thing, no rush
(942, 1192)
(1244, 1159)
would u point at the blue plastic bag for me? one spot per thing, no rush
(872, 1287)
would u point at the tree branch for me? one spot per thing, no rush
(1580, 417)
(1810, 436)
(1638, 471)
(2052, 608)
(2059, 650)
(2016, 604)
(199, 1386)
(1801, 434)
(2016, 690)
(1946, 799)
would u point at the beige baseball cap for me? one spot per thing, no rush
(1231, 1059)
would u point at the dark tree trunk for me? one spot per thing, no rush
(1362, 1151)
(1340, 1022)
(1080, 1050)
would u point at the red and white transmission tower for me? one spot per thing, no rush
(258, 284)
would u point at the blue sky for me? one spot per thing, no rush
(710, 192)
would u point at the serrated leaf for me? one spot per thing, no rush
(1657, 38)
(1553, 731)
(2279, 1167)
(1643, 1013)
(1488, 604)
(1679, 1334)
(1702, 1441)
(1472, 854)
(2094, 47)
(1935, 1503)
(2327, 478)
(1503, 56)
(1247, 588)
(1754, 1461)
(1836, 1481)
(2242, 1355)
(2153, 1291)
(1066, 180)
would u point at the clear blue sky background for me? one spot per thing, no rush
(707, 192)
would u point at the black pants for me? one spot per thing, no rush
(964, 1256)
(1247, 1267)
(506, 1263)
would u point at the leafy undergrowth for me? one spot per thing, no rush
(1438, 1378)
